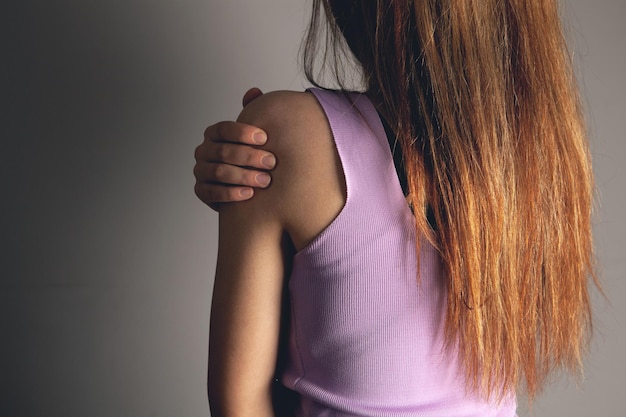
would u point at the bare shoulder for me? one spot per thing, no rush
(307, 189)
(279, 112)
(280, 100)
(296, 128)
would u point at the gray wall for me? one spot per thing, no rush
(106, 256)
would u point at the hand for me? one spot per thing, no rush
(229, 163)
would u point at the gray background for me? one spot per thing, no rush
(107, 257)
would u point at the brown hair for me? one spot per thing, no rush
(483, 101)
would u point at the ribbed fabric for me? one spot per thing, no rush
(367, 337)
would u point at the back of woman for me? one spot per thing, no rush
(447, 304)
(366, 311)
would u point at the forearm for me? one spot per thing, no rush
(245, 311)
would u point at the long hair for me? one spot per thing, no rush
(484, 104)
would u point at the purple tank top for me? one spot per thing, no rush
(366, 339)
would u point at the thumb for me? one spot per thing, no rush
(250, 95)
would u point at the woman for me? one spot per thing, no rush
(444, 305)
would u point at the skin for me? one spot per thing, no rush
(227, 148)
(257, 239)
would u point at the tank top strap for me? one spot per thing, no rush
(368, 166)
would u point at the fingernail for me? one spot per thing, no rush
(245, 192)
(263, 179)
(259, 137)
(268, 161)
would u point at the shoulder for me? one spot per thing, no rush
(272, 103)
(295, 123)
(308, 170)
(280, 99)
(297, 130)
(284, 114)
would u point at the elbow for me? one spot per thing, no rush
(217, 399)
(234, 400)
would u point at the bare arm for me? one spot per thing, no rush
(245, 312)
(246, 308)
(245, 317)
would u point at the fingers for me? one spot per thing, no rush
(213, 183)
(228, 162)
(224, 174)
(250, 95)
(233, 154)
(235, 132)
(213, 194)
